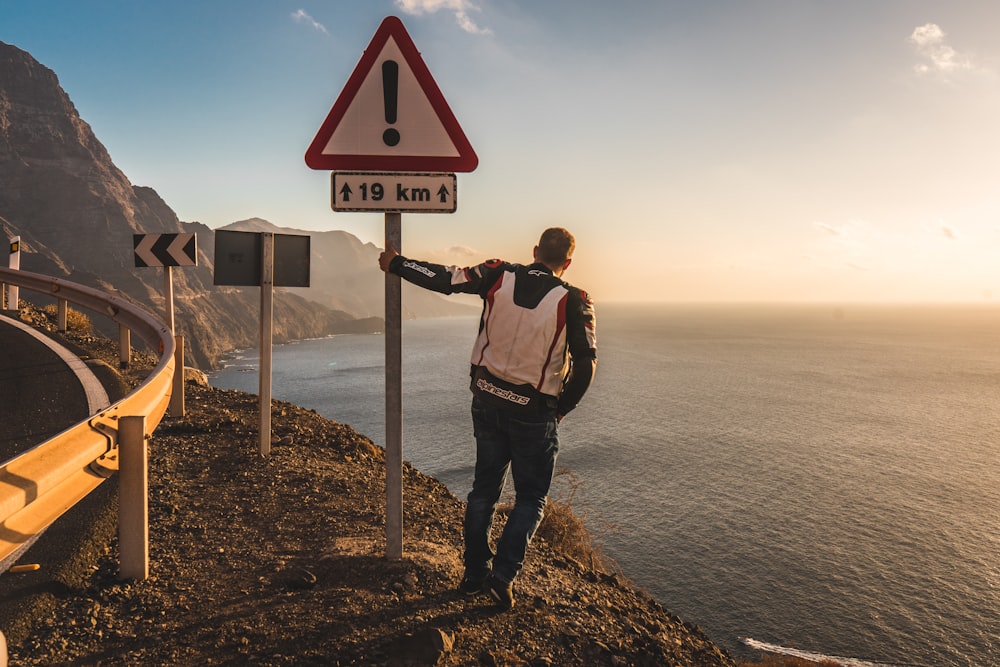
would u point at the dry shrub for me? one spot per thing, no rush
(564, 526)
(76, 321)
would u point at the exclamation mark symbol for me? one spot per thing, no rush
(390, 93)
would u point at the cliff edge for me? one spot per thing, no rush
(280, 561)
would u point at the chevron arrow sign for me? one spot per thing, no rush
(165, 249)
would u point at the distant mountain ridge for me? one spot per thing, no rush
(76, 213)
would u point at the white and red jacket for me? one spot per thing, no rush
(537, 344)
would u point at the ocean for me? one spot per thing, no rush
(813, 479)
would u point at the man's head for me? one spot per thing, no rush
(555, 249)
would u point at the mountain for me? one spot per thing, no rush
(76, 212)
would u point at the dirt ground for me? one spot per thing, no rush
(280, 561)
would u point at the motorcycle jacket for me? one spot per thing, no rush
(537, 346)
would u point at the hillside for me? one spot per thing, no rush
(280, 561)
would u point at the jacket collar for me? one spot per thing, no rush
(538, 266)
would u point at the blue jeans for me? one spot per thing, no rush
(527, 446)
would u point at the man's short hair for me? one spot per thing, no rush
(555, 246)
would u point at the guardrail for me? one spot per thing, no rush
(39, 485)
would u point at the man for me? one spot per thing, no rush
(532, 362)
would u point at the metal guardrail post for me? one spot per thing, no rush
(124, 346)
(63, 318)
(133, 498)
(13, 292)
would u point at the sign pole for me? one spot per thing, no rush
(168, 297)
(176, 407)
(393, 398)
(266, 330)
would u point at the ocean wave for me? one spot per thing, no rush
(820, 657)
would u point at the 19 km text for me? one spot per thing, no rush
(428, 193)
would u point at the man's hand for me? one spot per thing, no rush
(385, 258)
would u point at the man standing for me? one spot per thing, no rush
(532, 362)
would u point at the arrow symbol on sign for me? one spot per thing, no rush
(346, 192)
(183, 250)
(443, 193)
(144, 250)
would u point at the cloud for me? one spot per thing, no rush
(829, 229)
(937, 55)
(462, 250)
(300, 16)
(456, 255)
(460, 8)
(854, 231)
(852, 242)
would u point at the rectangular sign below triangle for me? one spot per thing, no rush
(393, 192)
(391, 115)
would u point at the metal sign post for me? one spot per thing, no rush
(265, 260)
(168, 297)
(393, 397)
(266, 334)
(176, 406)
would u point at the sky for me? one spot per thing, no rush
(724, 151)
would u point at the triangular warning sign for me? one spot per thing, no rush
(391, 116)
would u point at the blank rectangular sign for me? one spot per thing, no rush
(291, 260)
(238, 259)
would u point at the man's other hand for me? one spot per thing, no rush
(385, 258)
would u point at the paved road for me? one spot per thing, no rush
(40, 395)
(43, 392)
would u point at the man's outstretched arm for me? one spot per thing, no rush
(435, 277)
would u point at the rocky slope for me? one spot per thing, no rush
(280, 561)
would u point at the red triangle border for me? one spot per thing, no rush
(467, 160)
